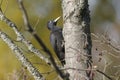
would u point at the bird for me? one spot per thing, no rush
(56, 39)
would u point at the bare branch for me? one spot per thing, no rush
(25, 16)
(107, 42)
(35, 25)
(21, 57)
(21, 38)
(31, 30)
(104, 74)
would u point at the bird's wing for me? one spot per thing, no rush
(56, 40)
(53, 41)
(60, 46)
(59, 42)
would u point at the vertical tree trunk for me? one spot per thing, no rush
(77, 37)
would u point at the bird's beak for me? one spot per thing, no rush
(57, 19)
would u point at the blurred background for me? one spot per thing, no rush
(105, 23)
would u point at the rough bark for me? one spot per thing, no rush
(77, 37)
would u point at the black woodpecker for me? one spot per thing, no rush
(56, 39)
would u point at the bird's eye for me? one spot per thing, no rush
(50, 21)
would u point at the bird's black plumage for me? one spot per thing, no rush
(56, 39)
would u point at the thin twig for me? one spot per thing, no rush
(35, 25)
(25, 16)
(6, 7)
(104, 74)
(106, 42)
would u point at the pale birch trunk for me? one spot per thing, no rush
(78, 43)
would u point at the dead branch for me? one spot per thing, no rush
(107, 42)
(20, 56)
(31, 30)
(21, 38)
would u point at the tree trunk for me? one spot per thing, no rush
(77, 38)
